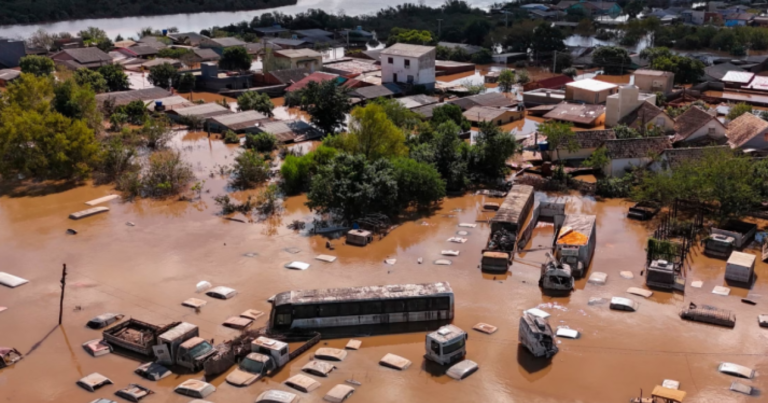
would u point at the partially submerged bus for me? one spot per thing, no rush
(363, 310)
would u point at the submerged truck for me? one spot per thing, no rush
(556, 277)
(662, 275)
(575, 244)
(733, 235)
(258, 357)
(136, 337)
(447, 345)
(536, 335)
(505, 225)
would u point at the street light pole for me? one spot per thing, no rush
(439, 25)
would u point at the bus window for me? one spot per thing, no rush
(371, 308)
(394, 306)
(435, 347)
(418, 305)
(305, 311)
(283, 315)
(328, 310)
(349, 309)
(442, 303)
(453, 347)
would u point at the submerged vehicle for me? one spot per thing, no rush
(575, 244)
(505, 226)
(182, 346)
(447, 345)
(536, 335)
(711, 315)
(556, 276)
(644, 210)
(104, 320)
(733, 235)
(9, 356)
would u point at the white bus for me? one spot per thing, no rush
(364, 310)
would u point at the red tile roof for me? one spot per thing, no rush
(316, 76)
(554, 83)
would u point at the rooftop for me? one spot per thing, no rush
(203, 110)
(87, 55)
(636, 148)
(287, 42)
(676, 156)
(718, 71)
(643, 115)
(496, 99)
(352, 66)
(655, 73)
(290, 76)
(143, 50)
(125, 97)
(690, 121)
(585, 138)
(591, 85)
(291, 130)
(745, 128)
(240, 120)
(270, 30)
(407, 50)
(313, 32)
(427, 110)
(294, 53)
(415, 101)
(314, 77)
(377, 91)
(739, 77)
(378, 292)
(576, 113)
(759, 83)
(227, 42)
(8, 74)
(483, 113)
(206, 54)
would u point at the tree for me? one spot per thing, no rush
(186, 82)
(450, 112)
(413, 36)
(93, 35)
(398, 114)
(447, 153)
(559, 135)
(418, 184)
(484, 56)
(135, 111)
(613, 59)
(374, 135)
(506, 80)
(41, 39)
(166, 174)
(547, 39)
(523, 77)
(37, 65)
(476, 30)
(255, 101)
(492, 149)
(585, 28)
(563, 61)
(235, 58)
(156, 131)
(261, 142)
(652, 54)
(634, 7)
(250, 170)
(738, 110)
(77, 102)
(326, 103)
(162, 75)
(572, 72)
(687, 69)
(115, 77)
(598, 160)
(84, 76)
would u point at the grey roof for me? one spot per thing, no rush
(11, 52)
(427, 110)
(125, 97)
(152, 41)
(290, 130)
(190, 38)
(313, 32)
(206, 54)
(144, 50)
(293, 53)
(484, 113)
(270, 30)
(636, 148)
(718, 71)
(469, 49)
(8, 74)
(377, 91)
(203, 110)
(254, 48)
(415, 101)
(87, 55)
(290, 76)
(495, 99)
(513, 209)
(377, 293)
(407, 50)
(227, 42)
(287, 42)
(239, 121)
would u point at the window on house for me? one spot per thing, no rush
(389, 60)
(407, 64)
(712, 130)
(410, 79)
(660, 122)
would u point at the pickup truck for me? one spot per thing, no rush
(644, 210)
(267, 355)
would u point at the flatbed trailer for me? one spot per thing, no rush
(505, 226)
(135, 336)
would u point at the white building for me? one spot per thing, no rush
(409, 64)
(626, 101)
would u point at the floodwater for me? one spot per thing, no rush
(145, 271)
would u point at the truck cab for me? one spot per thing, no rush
(252, 368)
(447, 345)
(495, 262)
(277, 351)
(719, 245)
(182, 346)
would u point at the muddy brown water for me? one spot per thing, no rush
(146, 270)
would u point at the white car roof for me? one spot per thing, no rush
(303, 381)
(280, 396)
(736, 370)
(11, 281)
(329, 353)
(338, 393)
(319, 366)
(221, 290)
(196, 385)
(395, 361)
(458, 370)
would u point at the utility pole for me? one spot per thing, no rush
(63, 284)
(554, 62)
(439, 25)
(506, 19)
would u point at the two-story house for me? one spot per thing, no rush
(409, 64)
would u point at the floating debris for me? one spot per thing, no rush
(596, 301)
(87, 213)
(419, 260)
(485, 328)
(467, 225)
(101, 200)
(237, 322)
(194, 303)
(627, 275)
(390, 261)
(720, 290)
(9, 280)
(462, 233)
(326, 258)
(449, 253)
(130, 224)
(568, 333)
(537, 312)
(711, 315)
(671, 384)
(353, 344)
(748, 301)
(697, 284)
(292, 250)
(457, 239)
(296, 265)
(762, 320)
(443, 262)
(741, 388)
(395, 361)
(71, 231)
(597, 278)
(252, 314)
(250, 254)
(202, 286)
(639, 291)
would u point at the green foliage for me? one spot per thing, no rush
(624, 132)
(162, 75)
(186, 82)
(484, 56)
(738, 110)
(444, 150)
(94, 79)
(268, 200)
(297, 171)
(489, 155)
(547, 39)
(135, 111)
(77, 102)
(117, 159)
(398, 114)
(165, 175)
(117, 120)
(373, 135)
(92, 35)
(261, 142)
(418, 184)
(614, 187)
(476, 30)
(564, 61)
(473, 89)
(326, 103)
(571, 72)
(256, 101)
(115, 77)
(37, 65)
(506, 80)
(249, 170)
(450, 112)
(687, 69)
(559, 136)
(613, 59)
(597, 160)
(156, 131)
(413, 36)
(235, 58)
(173, 53)
(231, 137)
(523, 77)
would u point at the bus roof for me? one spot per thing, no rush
(378, 292)
(512, 207)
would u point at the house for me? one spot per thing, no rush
(654, 81)
(204, 55)
(388, 90)
(299, 58)
(427, 111)
(468, 49)
(449, 67)
(693, 17)
(357, 35)
(317, 77)
(212, 79)
(589, 91)
(626, 101)
(695, 126)
(168, 103)
(287, 76)
(479, 114)
(582, 115)
(672, 158)
(417, 101)
(713, 18)
(738, 19)
(648, 114)
(273, 31)
(257, 49)
(154, 41)
(737, 79)
(351, 67)
(535, 6)
(187, 38)
(159, 61)
(543, 96)
(202, 112)
(315, 33)
(7, 76)
(141, 51)
(125, 97)
(241, 122)
(553, 83)
(91, 58)
(716, 72)
(288, 131)
(286, 43)
(493, 99)
(410, 64)
(758, 83)
(124, 44)
(219, 44)
(588, 141)
(626, 154)
(747, 132)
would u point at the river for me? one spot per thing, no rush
(128, 26)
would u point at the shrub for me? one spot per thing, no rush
(249, 170)
(231, 137)
(262, 142)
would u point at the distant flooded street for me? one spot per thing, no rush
(146, 270)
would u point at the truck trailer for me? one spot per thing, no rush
(575, 244)
(505, 226)
(724, 239)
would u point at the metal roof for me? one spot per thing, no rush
(290, 130)
(179, 330)
(378, 292)
(415, 101)
(739, 77)
(591, 85)
(240, 120)
(577, 113)
(211, 109)
(655, 73)
(407, 50)
(484, 113)
(313, 32)
(8, 74)
(227, 42)
(512, 208)
(87, 55)
(294, 53)
(125, 97)
(377, 91)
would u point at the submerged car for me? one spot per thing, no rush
(221, 292)
(93, 382)
(97, 347)
(302, 383)
(339, 393)
(152, 371)
(330, 354)
(134, 392)
(277, 396)
(250, 370)
(318, 368)
(104, 320)
(462, 369)
(9, 356)
(736, 370)
(195, 388)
